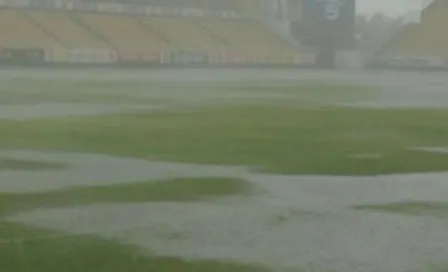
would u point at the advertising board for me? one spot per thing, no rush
(22, 55)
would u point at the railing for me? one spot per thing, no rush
(127, 8)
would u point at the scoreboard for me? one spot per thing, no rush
(341, 12)
(331, 20)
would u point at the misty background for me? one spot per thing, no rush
(390, 7)
(377, 21)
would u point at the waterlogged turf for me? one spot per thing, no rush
(80, 253)
(416, 208)
(29, 91)
(175, 190)
(29, 165)
(314, 91)
(24, 248)
(277, 137)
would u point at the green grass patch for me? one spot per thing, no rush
(46, 251)
(29, 165)
(181, 189)
(280, 138)
(420, 208)
(82, 253)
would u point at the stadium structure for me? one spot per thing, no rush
(174, 32)
(421, 44)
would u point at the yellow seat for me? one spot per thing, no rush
(425, 39)
(248, 36)
(186, 35)
(123, 32)
(18, 32)
(67, 30)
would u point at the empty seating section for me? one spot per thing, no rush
(62, 26)
(403, 43)
(247, 36)
(16, 31)
(433, 32)
(123, 32)
(417, 40)
(425, 39)
(399, 44)
(185, 34)
(85, 30)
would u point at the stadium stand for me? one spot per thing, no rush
(123, 32)
(17, 31)
(425, 39)
(236, 34)
(184, 34)
(66, 30)
(401, 43)
(422, 45)
(432, 31)
(88, 32)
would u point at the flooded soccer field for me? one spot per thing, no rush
(311, 170)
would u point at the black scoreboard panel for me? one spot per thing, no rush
(327, 22)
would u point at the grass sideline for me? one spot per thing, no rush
(79, 253)
(279, 137)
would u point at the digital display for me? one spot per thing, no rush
(330, 11)
(330, 19)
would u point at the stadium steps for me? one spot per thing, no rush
(224, 38)
(249, 36)
(18, 32)
(285, 37)
(68, 31)
(308, 34)
(43, 28)
(434, 6)
(154, 31)
(425, 39)
(401, 42)
(185, 35)
(89, 29)
(124, 32)
(211, 33)
(434, 32)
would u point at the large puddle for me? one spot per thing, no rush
(298, 221)
(399, 89)
(93, 169)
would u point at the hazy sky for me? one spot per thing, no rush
(391, 7)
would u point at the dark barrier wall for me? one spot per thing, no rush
(22, 56)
